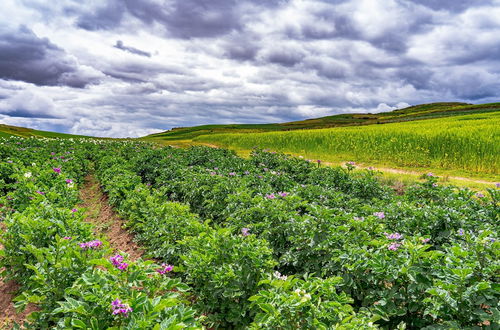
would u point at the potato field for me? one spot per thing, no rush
(269, 242)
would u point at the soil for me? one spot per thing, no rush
(105, 219)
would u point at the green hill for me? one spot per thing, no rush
(7, 130)
(418, 112)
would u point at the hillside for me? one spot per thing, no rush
(7, 130)
(418, 112)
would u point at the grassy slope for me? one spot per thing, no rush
(424, 111)
(6, 131)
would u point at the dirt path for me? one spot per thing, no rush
(105, 220)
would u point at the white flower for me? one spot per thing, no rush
(27, 175)
(71, 185)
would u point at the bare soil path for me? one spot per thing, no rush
(105, 219)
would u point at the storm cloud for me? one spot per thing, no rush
(133, 67)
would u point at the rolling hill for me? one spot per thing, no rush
(418, 112)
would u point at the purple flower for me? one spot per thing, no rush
(351, 163)
(212, 173)
(245, 231)
(461, 232)
(40, 192)
(380, 215)
(74, 210)
(393, 236)
(283, 194)
(122, 266)
(497, 184)
(430, 174)
(393, 246)
(165, 269)
(69, 181)
(359, 218)
(434, 185)
(116, 260)
(425, 240)
(90, 245)
(67, 237)
(270, 196)
(318, 161)
(479, 195)
(10, 161)
(246, 172)
(52, 153)
(232, 174)
(57, 170)
(119, 308)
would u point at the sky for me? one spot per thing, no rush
(128, 68)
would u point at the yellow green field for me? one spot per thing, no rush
(468, 144)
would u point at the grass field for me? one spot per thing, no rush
(469, 143)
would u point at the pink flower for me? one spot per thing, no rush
(165, 269)
(67, 237)
(394, 246)
(69, 181)
(270, 196)
(393, 236)
(380, 215)
(90, 245)
(74, 210)
(425, 240)
(57, 170)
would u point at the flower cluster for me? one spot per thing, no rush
(279, 276)
(119, 308)
(394, 246)
(91, 245)
(305, 296)
(393, 236)
(117, 261)
(165, 268)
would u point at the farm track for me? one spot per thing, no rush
(106, 221)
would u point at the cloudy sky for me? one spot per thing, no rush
(133, 67)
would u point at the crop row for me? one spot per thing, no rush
(68, 273)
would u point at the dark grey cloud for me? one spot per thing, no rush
(26, 57)
(451, 5)
(119, 44)
(179, 18)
